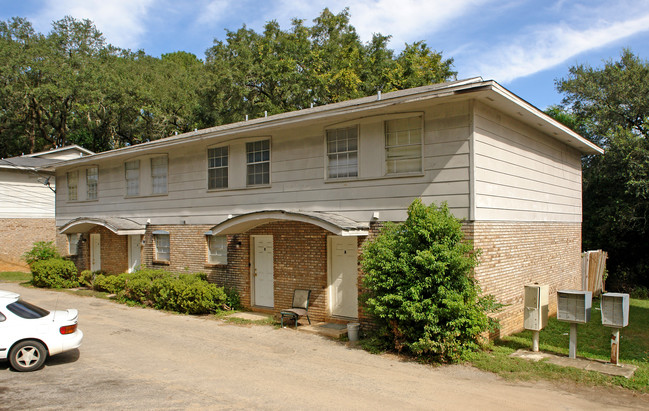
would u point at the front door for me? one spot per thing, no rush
(343, 276)
(95, 252)
(262, 270)
(133, 253)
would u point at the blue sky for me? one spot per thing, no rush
(523, 44)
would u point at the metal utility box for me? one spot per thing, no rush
(615, 310)
(536, 307)
(574, 306)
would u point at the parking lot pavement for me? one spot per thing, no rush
(134, 358)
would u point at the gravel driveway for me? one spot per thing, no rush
(134, 358)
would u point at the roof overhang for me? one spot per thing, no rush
(119, 226)
(333, 223)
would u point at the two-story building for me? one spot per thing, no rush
(285, 201)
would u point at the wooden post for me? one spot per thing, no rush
(573, 340)
(535, 341)
(615, 346)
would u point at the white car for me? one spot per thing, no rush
(28, 334)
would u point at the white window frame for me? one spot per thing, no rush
(73, 243)
(92, 183)
(217, 249)
(72, 178)
(132, 178)
(393, 169)
(159, 175)
(162, 241)
(340, 152)
(258, 162)
(216, 165)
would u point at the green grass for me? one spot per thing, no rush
(593, 342)
(15, 276)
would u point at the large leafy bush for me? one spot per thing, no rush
(54, 273)
(41, 250)
(419, 286)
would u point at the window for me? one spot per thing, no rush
(217, 167)
(23, 309)
(342, 152)
(73, 183)
(258, 162)
(92, 177)
(132, 170)
(218, 249)
(403, 145)
(161, 245)
(159, 174)
(73, 241)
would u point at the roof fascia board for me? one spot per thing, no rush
(587, 146)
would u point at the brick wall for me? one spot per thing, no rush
(17, 235)
(515, 254)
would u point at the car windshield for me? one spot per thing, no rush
(26, 310)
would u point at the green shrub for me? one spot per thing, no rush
(85, 278)
(233, 300)
(419, 288)
(41, 250)
(54, 273)
(184, 293)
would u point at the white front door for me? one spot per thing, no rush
(343, 276)
(95, 252)
(262, 270)
(134, 260)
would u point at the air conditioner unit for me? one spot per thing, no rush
(615, 310)
(536, 307)
(574, 306)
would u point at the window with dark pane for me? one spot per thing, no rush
(258, 163)
(217, 167)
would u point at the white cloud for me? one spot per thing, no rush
(550, 46)
(121, 21)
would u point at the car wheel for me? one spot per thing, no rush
(27, 356)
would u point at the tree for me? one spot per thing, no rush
(279, 71)
(610, 106)
(419, 287)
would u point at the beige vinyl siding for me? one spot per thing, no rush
(522, 174)
(298, 161)
(23, 196)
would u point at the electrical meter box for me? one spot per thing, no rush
(536, 307)
(615, 310)
(574, 306)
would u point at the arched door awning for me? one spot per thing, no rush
(118, 225)
(331, 222)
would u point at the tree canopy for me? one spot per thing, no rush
(71, 87)
(610, 106)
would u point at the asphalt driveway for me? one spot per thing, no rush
(134, 358)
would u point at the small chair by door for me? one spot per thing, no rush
(299, 308)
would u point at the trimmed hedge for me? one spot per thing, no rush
(183, 293)
(54, 273)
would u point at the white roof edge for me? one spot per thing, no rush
(64, 148)
(588, 146)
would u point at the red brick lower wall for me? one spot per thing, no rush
(516, 254)
(17, 236)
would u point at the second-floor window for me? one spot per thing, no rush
(73, 185)
(132, 170)
(159, 174)
(342, 152)
(217, 167)
(403, 145)
(92, 178)
(258, 163)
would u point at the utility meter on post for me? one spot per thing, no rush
(535, 316)
(615, 314)
(574, 307)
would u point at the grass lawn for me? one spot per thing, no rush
(15, 276)
(593, 341)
